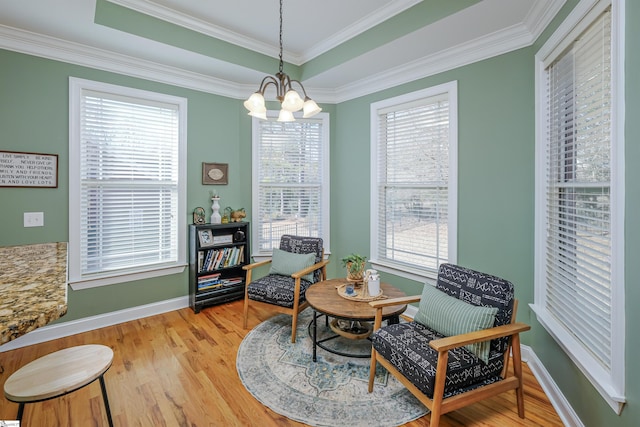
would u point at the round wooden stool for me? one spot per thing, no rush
(59, 373)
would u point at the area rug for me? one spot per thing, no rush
(329, 392)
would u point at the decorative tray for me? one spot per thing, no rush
(358, 293)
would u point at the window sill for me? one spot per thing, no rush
(590, 368)
(421, 276)
(125, 277)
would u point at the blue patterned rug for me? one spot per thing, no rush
(329, 392)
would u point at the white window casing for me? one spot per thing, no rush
(579, 197)
(290, 191)
(414, 182)
(127, 184)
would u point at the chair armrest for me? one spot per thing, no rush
(256, 264)
(448, 343)
(394, 301)
(314, 267)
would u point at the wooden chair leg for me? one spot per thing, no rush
(517, 371)
(294, 326)
(246, 312)
(372, 369)
(438, 389)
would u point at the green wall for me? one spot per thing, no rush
(495, 170)
(34, 118)
(496, 184)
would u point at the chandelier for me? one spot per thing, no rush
(290, 100)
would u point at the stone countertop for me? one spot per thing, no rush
(33, 287)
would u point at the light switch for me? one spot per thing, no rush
(33, 219)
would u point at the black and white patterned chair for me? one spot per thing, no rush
(456, 350)
(283, 289)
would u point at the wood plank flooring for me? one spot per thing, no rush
(178, 369)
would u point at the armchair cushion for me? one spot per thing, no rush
(406, 346)
(287, 263)
(276, 289)
(450, 316)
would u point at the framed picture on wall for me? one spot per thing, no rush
(215, 173)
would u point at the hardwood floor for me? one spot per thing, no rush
(178, 369)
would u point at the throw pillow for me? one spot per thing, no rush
(450, 316)
(287, 263)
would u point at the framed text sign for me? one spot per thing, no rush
(28, 169)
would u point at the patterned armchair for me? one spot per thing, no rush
(296, 265)
(456, 351)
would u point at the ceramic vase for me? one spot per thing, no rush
(215, 206)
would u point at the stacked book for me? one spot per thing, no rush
(212, 281)
(220, 258)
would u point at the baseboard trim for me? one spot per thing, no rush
(558, 401)
(64, 329)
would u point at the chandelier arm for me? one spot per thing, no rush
(299, 84)
(266, 82)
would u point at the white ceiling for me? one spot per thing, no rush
(65, 30)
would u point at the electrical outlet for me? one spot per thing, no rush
(33, 219)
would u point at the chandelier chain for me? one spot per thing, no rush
(280, 36)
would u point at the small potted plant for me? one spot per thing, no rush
(355, 267)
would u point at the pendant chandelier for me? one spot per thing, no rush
(290, 100)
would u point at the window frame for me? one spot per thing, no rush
(610, 384)
(398, 269)
(272, 115)
(76, 279)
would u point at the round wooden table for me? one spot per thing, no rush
(323, 297)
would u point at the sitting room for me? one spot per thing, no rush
(179, 245)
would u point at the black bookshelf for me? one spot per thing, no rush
(217, 253)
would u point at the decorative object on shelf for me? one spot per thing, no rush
(198, 216)
(215, 173)
(215, 207)
(205, 237)
(372, 282)
(235, 215)
(355, 267)
(290, 100)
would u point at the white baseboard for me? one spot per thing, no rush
(559, 402)
(64, 329)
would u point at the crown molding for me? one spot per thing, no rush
(174, 17)
(73, 53)
(500, 42)
(486, 47)
(189, 22)
(359, 27)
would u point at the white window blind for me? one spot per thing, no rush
(292, 180)
(128, 184)
(578, 216)
(412, 194)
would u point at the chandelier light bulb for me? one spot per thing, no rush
(292, 101)
(286, 116)
(255, 103)
(310, 108)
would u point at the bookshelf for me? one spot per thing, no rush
(217, 253)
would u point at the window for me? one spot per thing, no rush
(126, 184)
(413, 181)
(290, 180)
(579, 199)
